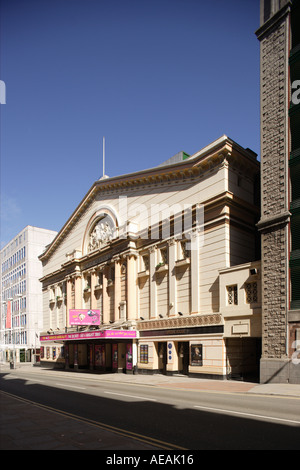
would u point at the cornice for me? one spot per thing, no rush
(180, 322)
(273, 222)
(273, 21)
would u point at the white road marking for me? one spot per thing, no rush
(247, 414)
(131, 396)
(71, 386)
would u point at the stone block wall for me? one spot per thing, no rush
(274, 82)
(274, 106)
(274, 308)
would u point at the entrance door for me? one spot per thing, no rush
(184, 358)
(82, 351)
(162, 358)
(243, 356)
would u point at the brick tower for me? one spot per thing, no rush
(280, 189)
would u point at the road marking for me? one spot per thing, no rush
(247, 414)
(36, 380)
(71, 386)
(131, 396)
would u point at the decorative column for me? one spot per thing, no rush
(69, 282)
(50, 303)
(117, 287)
(131, 286)
(93, 284)
(55, 310)
(172, 277)
(105, 297)
(153, 294)
(195, 272)
(78, 291)
(61, 305)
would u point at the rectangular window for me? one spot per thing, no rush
(183, 250)
(164, 255)
(251, 292)
(267, 10)
(232, 297)
(144, 354)
(145, 263)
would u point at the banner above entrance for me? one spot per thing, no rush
(90, 335)
(84, 317)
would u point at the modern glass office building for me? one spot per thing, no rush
(21, 295)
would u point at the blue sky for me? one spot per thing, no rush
(153, 76)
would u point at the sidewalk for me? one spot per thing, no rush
(176, 381)
(29, 427)
(189, 383)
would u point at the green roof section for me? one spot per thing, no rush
(179, 157)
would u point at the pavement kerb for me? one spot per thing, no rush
(176, 382)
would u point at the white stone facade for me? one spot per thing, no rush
(145, 250)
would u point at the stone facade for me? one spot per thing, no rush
(274, 225)
(156, 280)
(274, 197)
(274, 288)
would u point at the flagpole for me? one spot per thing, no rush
(103, 156)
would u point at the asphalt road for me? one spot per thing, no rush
(185, 419)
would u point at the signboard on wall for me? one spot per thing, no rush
(100, 355)
(88, 335)
(84, 317)
(129, 356)
(196, 354)
(115, 356)
(8, 315)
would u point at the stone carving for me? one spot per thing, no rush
(101, 234)
(192, 320)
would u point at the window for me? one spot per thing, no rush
(267, 10)
(144, 354)
(232, 297)
(145, 263)
(164, 255)
(183, 250)
(100, 278)
(251, 292)
(87, 282)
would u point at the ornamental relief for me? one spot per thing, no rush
(101, 234)
(203, 320)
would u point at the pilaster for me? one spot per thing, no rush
(195, 271)
(153, 292)
(172, 278)
(131, 286)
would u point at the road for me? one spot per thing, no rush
(182, 419)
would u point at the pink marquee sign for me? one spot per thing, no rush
(90, 335)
